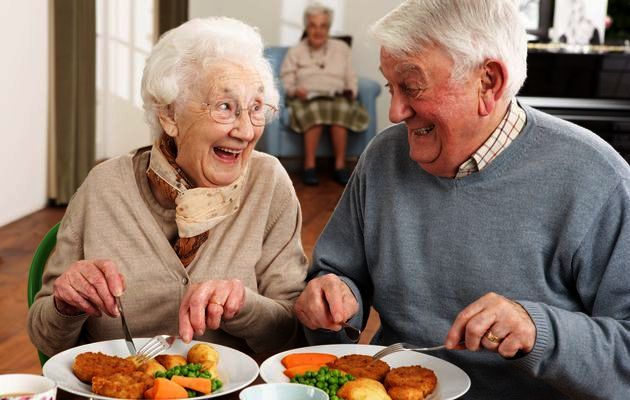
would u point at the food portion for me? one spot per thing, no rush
(374, 378)
(169, 376)
(88, 365)
(362, 366)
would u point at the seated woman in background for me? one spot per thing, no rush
(198, 234)
(322, 88)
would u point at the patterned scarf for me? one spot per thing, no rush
(197, 209)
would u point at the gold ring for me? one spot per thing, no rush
(492, 337)
(218, 304)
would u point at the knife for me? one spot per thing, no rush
(128, 339)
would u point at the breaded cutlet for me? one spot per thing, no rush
(122, 385)
(88, 365)
(410, 383)
(361, 366)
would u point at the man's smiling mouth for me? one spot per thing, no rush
(422, 131)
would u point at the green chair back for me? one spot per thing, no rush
(37, 270)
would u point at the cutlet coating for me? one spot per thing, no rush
(410, 383)
(361, 366)
(88, 365)
(122, 386)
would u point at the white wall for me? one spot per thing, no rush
(280, 23)
(23, 107)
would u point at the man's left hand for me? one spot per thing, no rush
(496, 323)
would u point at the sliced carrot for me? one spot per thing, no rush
(165, 389)
(201, 385)
(295, 359)
(149, 393)
(301, 369)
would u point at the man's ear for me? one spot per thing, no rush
(492, 83)
(167, 120)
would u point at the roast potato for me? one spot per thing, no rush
(151, 366)
(201, 353)
(363, 389)
(169, 361)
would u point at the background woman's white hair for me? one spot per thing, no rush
(470, 32)
(317, 8)
(179, 59)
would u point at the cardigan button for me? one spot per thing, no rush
(185, 281)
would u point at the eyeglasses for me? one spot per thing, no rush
(227, 111)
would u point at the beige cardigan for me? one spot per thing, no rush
(328, 69)
(113, 215)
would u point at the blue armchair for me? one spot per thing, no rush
(279, 140)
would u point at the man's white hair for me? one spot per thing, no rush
(180, 59)
(317, 8)
(470, 31)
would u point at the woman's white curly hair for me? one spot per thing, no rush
(179, 59)
(469, 31)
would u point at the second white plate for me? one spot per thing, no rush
(453, 382)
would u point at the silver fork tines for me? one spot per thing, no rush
(154, 347)
(404, 346)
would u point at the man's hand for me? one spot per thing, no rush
(325, 303)
(495, 323)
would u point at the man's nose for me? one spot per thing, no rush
(399, 109)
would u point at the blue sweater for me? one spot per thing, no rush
(547, 224)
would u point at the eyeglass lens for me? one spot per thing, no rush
(226, 112)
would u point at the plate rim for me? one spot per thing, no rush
(315, 348)
(62, 385)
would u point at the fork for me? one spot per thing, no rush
(406, 346)
(153, 347)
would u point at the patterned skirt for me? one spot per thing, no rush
(337, 110)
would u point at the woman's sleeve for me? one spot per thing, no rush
(50, 331)
(267, 321)
(288, 72)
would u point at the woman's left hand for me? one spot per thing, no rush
(496, 323)
(205, 304)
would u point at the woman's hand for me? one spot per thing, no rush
(205, 304)
(89, 286)
(495, 323)
(301, 93)
(325, 303)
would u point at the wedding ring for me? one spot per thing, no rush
(492, 337)
(218, 304)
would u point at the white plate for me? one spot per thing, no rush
(453, 382)
(236, 370)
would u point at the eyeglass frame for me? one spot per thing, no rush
(239, 109)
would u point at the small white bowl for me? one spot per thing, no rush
(282, 391)
(27, 387)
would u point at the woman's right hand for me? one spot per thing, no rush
(89, 286)
(326, 302)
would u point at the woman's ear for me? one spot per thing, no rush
(492, 84)
(167, 120)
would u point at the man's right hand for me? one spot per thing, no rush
(325, 303)
(89, 286)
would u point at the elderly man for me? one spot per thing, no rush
(476, 219)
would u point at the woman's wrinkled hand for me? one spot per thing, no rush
(495, 323)
(89, 286)
(325, 303)
(301, 93)
(205, 304)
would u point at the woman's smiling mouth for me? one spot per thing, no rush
(227, 154)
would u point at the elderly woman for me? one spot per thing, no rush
(322, 88)
(198, 234)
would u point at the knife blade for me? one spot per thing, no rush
(128, 338)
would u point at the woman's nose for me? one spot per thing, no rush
(243, 128)
(399, 109)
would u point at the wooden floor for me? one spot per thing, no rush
(19, 239)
